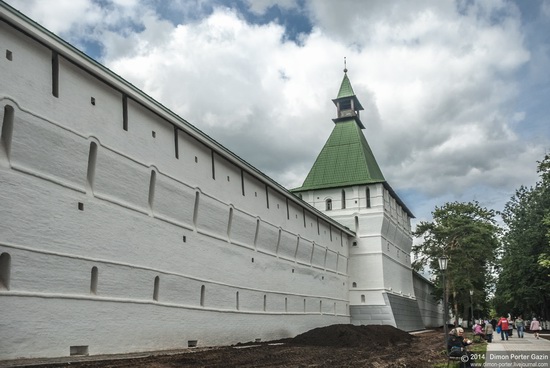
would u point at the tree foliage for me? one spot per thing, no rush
(468, 235)
(524, 280)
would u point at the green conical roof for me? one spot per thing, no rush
(346, 159)
(345, 88)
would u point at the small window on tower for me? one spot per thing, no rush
(345, 105)
(329, 204)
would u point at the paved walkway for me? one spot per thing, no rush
(518, 352)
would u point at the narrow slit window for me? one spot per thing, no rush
(203, 291)
(152, 184)
(9, 55)
(5, 271)
(6, 132)
(237, 306)
(176, 143)
(125, 112)
(265, 302)
(55, 74)
(368, 197)
(93, 283)
(267, 195)
(196, 209)
(343, 199)
(213, 167)
(287, 210)
(92, 159)
(156, 289)
(92, 100)
(242, 182)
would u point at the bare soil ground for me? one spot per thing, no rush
(332, 346)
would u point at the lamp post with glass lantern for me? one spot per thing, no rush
(443, 267)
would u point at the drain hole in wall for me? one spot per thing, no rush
(192, 343)
(79, 350)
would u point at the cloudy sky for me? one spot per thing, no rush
(456, 93)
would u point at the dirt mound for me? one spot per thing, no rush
(352, 336)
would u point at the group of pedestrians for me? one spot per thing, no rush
(505, 327)
(457, 344)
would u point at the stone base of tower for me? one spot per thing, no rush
(398, 311)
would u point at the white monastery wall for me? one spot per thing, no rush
(126, 230)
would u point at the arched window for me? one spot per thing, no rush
(354, 285)
(362, 298)
(93, 283)
(343, 199)
(7, 131)
(5, 271)
(156, 289)
(368, 197)
(328, 203)
(92, 159)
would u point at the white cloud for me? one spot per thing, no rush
(438, 81)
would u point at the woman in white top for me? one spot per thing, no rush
(535, 326)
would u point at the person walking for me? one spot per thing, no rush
(535, 327)
(520, 326)
(489, 332)
(503, 324)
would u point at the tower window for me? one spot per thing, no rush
(368, 197)
(343, 199)
(328, 206)
(345, 105)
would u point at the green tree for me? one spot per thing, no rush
(524, 282)
(467, 234)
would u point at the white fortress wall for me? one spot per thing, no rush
(126, 230)
(430, 309)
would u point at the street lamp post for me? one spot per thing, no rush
(472, 304)
(443, 267)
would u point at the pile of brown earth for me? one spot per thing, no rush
(331, 346)
(349, 336)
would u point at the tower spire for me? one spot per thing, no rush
(345, 65)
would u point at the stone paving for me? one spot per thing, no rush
(518, 352)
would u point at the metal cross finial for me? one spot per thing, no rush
(345, 65)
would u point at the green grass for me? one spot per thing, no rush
(477, 347)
